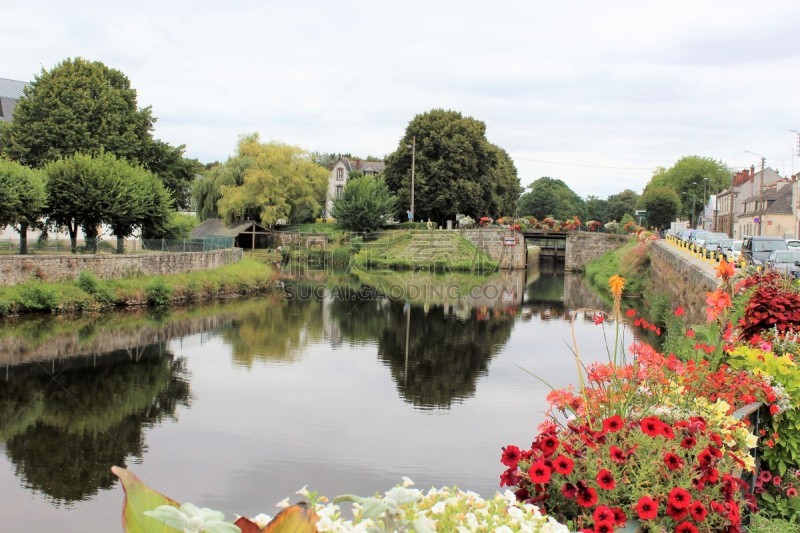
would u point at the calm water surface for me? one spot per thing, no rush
(237, 405)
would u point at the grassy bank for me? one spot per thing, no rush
(88, 293)
(438, 251)
(632, 262)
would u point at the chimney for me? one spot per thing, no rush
(752, 171)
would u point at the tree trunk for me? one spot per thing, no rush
(90, 238)
(73, 237)
(120, 244)
(23, 238)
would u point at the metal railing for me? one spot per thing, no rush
(109, 245)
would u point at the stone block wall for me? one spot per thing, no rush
(682, 279)
(585, 246)
(20, 268)
(496, 244)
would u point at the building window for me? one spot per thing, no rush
(339, 174)
(339, 190)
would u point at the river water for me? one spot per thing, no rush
(329, 382)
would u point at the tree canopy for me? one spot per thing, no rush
(621, 204)
(457, 170)
(365, 204)
(83, 106)
(549, 197)
(661, 204)
(278, 182)
(22, 198)
(693, 178)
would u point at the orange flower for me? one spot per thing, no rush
(716, 302)
(616, 284)
(725, 270)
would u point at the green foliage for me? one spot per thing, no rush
(37, 296)
(762, 523)
(158, 293)
(692, 178)
(550, 197)
(364, 205)
(440, 251)
(179, 225)
(596, 209)
(662, 205)
(456, 169)
(621, 204)
(278, 182)
(630, 261)
(89, 283)
(23, 198)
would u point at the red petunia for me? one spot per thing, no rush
(676, 514)
(698, 511)
(688, 442)
(563, 465)
(679, 498)
(673, 461)
(619, 515)
(510, 478)
(617, 455)
(679, 311)
(539, 472)
(511, 456)
(603, 513)
(587, 497)
(647, 508)
(631, 312)
(690, 333)
(613, 424)
(569, 491)
(652, 426)
(604, 526)
(686, 527)
(605, 479)
(548, 445)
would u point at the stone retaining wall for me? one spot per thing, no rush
(20, 268)
(680, 276)
(496, 243)
(585, 246)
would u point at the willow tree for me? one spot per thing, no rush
(279, 182)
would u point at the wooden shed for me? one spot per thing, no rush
(247, 234)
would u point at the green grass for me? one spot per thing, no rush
(631, 261)
(763, 524)
(89, 294)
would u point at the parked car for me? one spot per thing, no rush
(756, 250)
(735, 254)
(793, 243)
(724, 247)
(786, 262)
(713, 240)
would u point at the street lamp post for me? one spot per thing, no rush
(413, 170)
(760, 192)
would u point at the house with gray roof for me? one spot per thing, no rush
(247, 234)
(773, 208)
(340, 173)
(10, 92)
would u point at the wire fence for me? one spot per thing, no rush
(109, 246)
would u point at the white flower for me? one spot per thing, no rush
(407, 481)
(192, 519)
(261, 520)
(304, 491)
(283, 503)
(438, 507)
(503, 529)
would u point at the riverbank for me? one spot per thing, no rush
(429, 250)
(90, 294)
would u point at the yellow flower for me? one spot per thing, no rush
(751, 440)
(616, 284)
(749, 463)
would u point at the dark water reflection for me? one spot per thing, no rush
(328, 382)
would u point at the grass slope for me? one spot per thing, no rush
(432, 250)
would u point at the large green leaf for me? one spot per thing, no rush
(138, 499)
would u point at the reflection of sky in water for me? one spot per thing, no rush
(332, 419)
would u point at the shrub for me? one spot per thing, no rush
(89, 283)
(36, 296)
(158, 293)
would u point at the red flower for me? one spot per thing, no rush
(686, 527)
(613, 424)
(679, 311)
(604, 526)
(617, 455)
(675, 513)
(509, 478)
(539, 472)
(511, 456)
(690, 333)
(652, 426)
(603, 513)
(605, 479)
(548, 445)
(619, 515)
(698, 511)
(647, 508)
(688, 442)
(563, 465)
(569, 491)
(679, 498)
(631, 312)
(673, 461)
(587, 497)
(791, 492)
(598, 318)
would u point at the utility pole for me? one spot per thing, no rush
(761, 198)
(413, 169)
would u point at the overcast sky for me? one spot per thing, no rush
(597, 93)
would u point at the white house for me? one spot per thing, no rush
(340, 173)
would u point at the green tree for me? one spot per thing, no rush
(22, 199)
(550, 197)
(693, 177)
(85, 106)
(662, 205)
(621, 204)
(364, 204)
(456, 169)
(506, 184)
(207, 190)
(280, 182)
(144, 204)
(596, 209)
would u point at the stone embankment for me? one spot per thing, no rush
(684, 277)
(16, 269)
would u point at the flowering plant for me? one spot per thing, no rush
(485, 221)
(594, 225)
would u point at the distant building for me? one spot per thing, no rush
(340, 173)
(773, 207)
(730, 202)
(247, 234)
(10, 92)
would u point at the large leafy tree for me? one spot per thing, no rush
(693, 178)
(85, 106)
(456, 169)
(279, 182)
(661, 204)
(596, 209)
(621, 204)
(551, 197)
(22, 199)
(365, 204)
(86, 191)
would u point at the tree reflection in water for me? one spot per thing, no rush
(64, 430)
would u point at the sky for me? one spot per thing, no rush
(598, 93)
